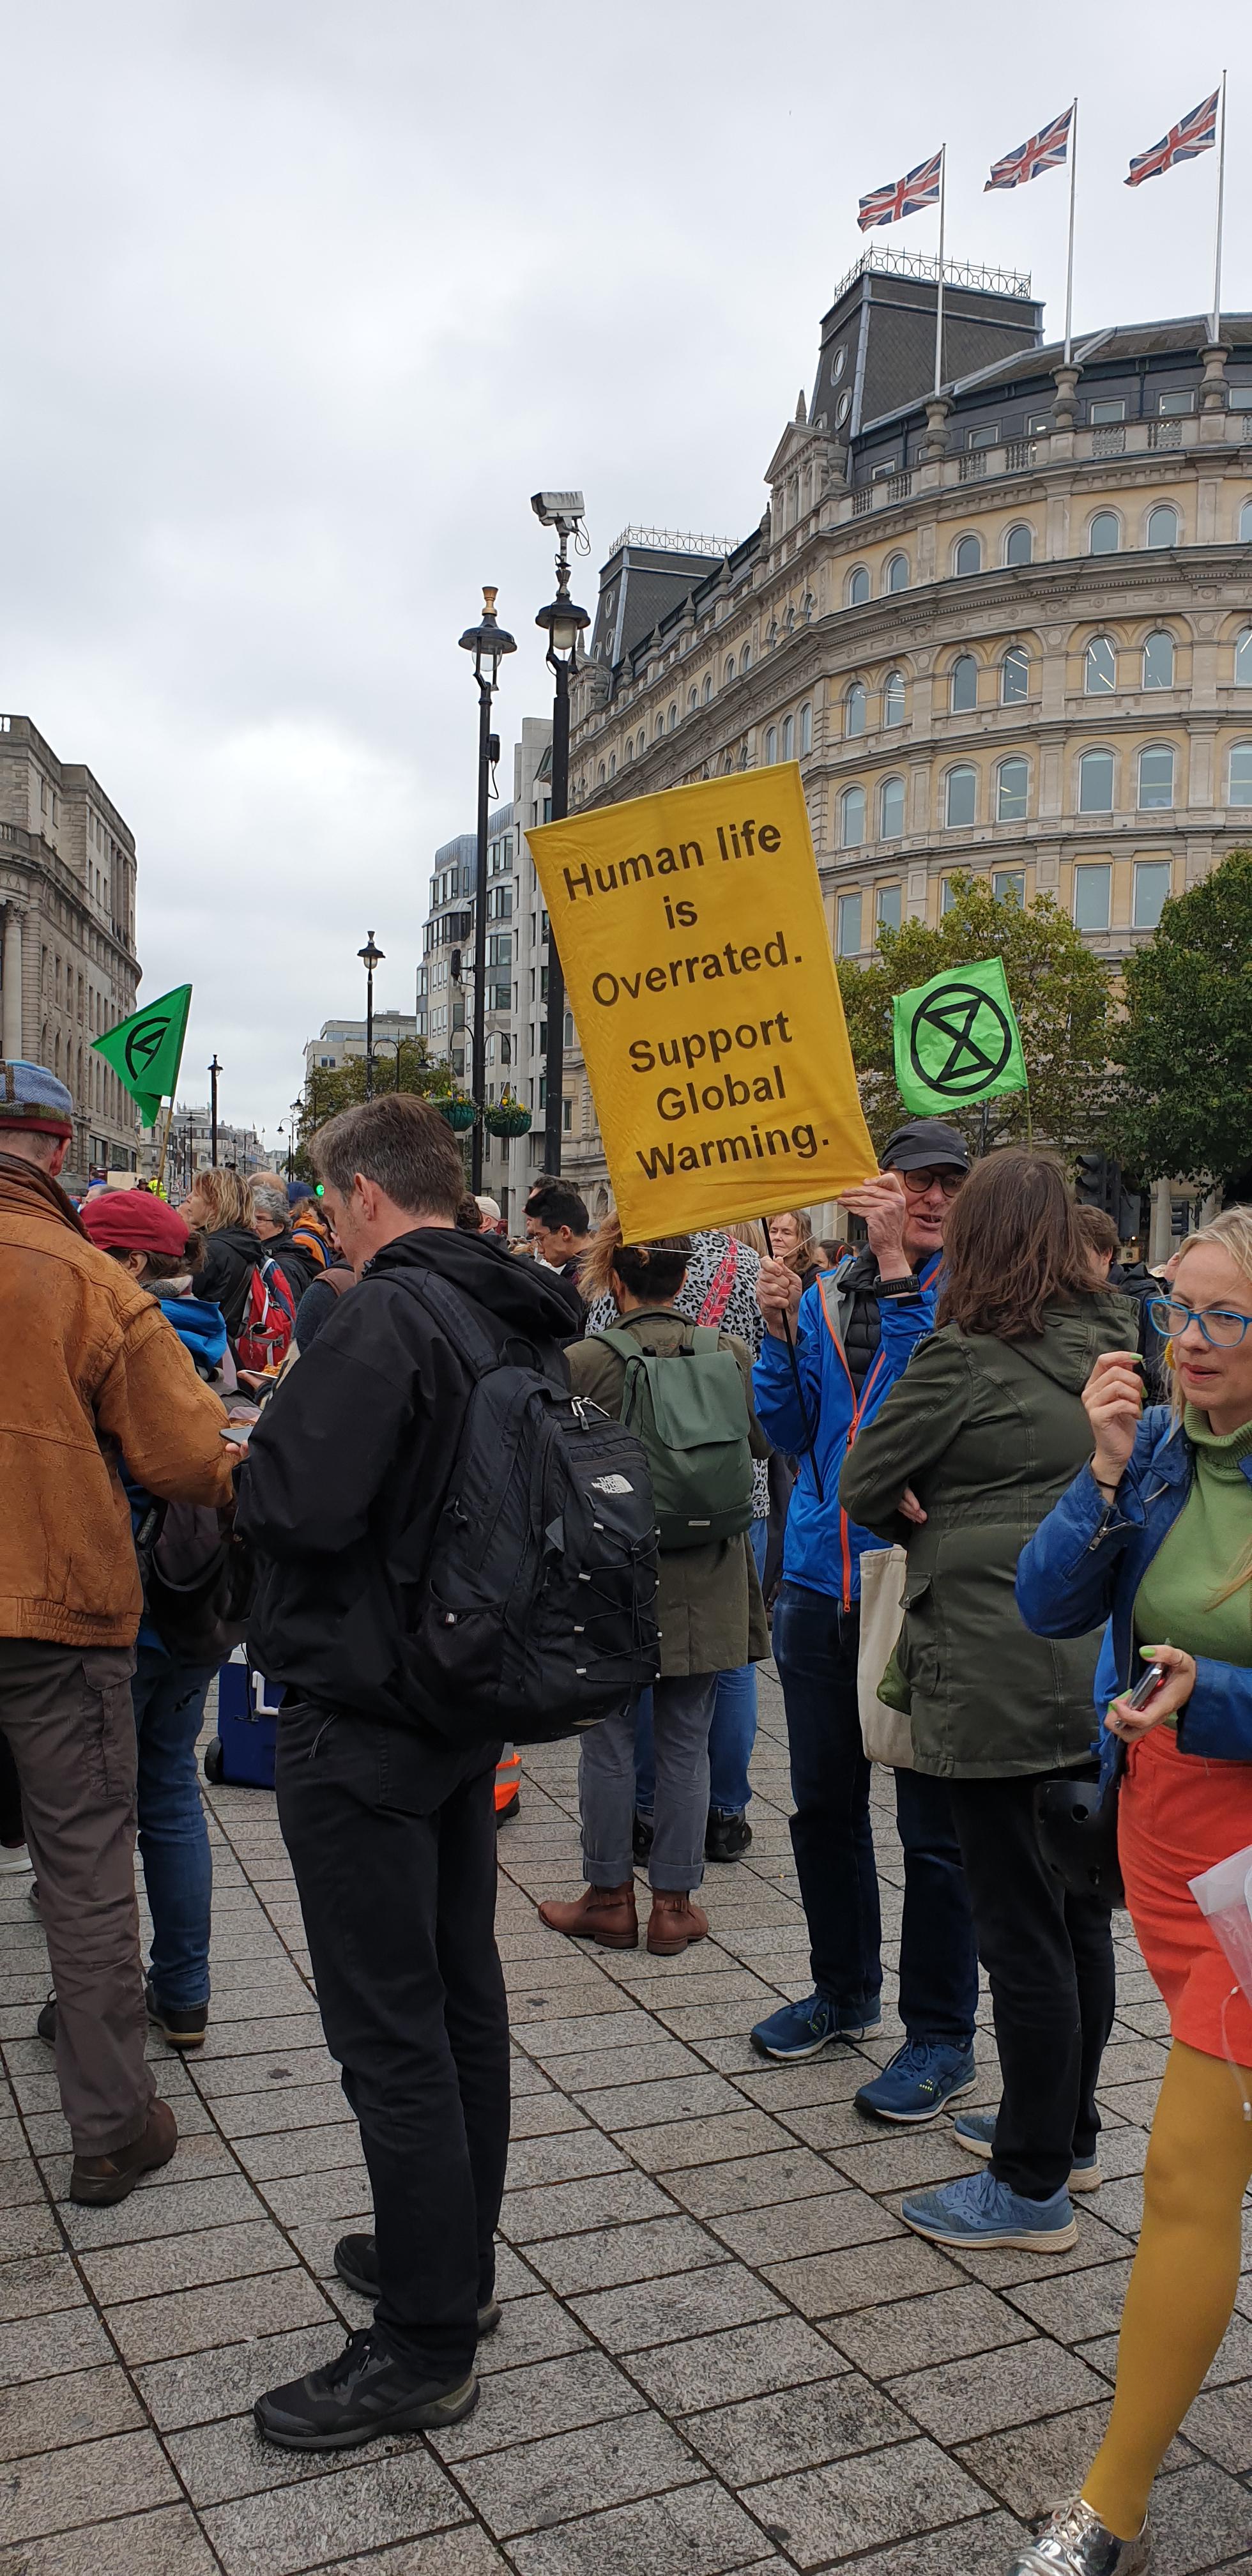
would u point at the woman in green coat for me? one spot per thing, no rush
(984, 1432)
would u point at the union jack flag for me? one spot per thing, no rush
(1192, 134)
(889, 205)
(1044, 151)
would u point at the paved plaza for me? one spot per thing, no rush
(720, 2350)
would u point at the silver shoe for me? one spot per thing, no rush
(1077, 2543)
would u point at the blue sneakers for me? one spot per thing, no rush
(921, 2077)
(976, 2130)
(804, 2029)
(978, 2210)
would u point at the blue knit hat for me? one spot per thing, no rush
(31, 1097)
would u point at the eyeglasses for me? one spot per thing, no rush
(1223, 1326)
(918, 1183)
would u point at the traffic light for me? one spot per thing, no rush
(1094, 1179)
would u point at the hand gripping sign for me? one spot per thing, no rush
(693, 938)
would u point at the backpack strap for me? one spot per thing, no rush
(720, 1286)
(460, 1316)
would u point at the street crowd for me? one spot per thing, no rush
(991, 1486)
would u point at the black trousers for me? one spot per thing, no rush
(398, 1899)
(1049, 1961)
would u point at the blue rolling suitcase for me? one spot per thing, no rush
(242, 1751)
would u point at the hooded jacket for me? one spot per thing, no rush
(348, 1467)
(92, 1373)
(988, 1434)
(231, 1254)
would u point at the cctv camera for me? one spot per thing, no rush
(557, 509)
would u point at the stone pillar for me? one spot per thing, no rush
(11, 984)
(1160, 1231)
(1213, 385)
(1065, 408)
(935, 443)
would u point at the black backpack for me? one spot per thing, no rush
(536, 1607)
(199, 1579)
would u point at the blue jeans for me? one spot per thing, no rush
(732, 1733)
(169, 1699)
(815, 1648)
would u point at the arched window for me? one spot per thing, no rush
(963, 689)
(851, 818)
(1162, 528)
(854, 708)
(1104, 536)
(707, 691)
(612, 764)
(1156, 776)
(1240, 774)
(858, 587)
(896, 576)
(744, 658)
(600, 775)
(658, 729)
(961, 797)
(1095, 783)
(891, 809)
(1012, 788)
(692, 702)
(1019, 545)
(630, 746)
(772, 635)
(1014, 676)
(1243, 659)
(806, 728)
(771, 745)
(1099, 669)
(789, 738)
(673, 713)
(968, 555)
(1158, 661)
(727, 764)
(806, 608)
(893, 698)
(1245, 524)
(729, 672)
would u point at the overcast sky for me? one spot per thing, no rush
(304, 301)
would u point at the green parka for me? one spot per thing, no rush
(709, 1604)
(988, 1434)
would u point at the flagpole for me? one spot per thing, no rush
(165, 1145)
(943, 181)
(1221, 194)
(1069, 265)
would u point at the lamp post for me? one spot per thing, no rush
(488, 643)
(370, 957)
(214, 1070)
(564, 622)
(397, 1043)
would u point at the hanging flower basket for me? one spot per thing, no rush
(459, 1110)
(508, 1116)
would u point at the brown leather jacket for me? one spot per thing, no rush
(90, 1371)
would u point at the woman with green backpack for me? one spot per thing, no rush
(687, 1391)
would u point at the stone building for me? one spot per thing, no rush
(343, 1042)
(1007, 629)
(68, 969)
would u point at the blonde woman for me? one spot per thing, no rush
(1156, 1535)
(791, 1235)
(219, 1206)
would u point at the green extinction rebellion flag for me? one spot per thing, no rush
(146, 1051)
(957, 1039)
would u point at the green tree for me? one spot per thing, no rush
(1059, 991)
(330, 1088)
(1183, 1051)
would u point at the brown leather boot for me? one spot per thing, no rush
(673, 1923)
(603, 1914)
(104, 2179)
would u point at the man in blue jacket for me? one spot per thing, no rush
(854, 1337)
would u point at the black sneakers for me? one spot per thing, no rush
(183, 2028)
(357, 2397)
(356, 2262)
(726, 1837)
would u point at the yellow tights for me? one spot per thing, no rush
(1182, 2289)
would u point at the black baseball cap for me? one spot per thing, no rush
(923, 1141)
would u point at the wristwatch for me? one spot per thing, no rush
(910, 1287)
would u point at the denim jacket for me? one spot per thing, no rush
(1086, 1562)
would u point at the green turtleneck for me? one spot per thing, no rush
(1210, 1538)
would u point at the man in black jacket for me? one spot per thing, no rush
(391, 1828)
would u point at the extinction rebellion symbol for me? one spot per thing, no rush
(143, 1043)
(960, 1040)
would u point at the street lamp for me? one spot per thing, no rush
(370, 957)
(564, 622)
(488, 643)
(214, 1070)
(397, 1043)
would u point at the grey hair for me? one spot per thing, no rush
(269, 1198)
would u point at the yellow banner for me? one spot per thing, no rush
(697, 960)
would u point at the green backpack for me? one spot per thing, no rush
(688, 1409)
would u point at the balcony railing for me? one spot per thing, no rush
(974, 465)
(1108, 438)
(863, 501)
(1164, 433)
(899, 486)
(1019, 455)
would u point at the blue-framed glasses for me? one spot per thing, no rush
(1223, 1326)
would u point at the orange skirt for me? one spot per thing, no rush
(1178, 1814)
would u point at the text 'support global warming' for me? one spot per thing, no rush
(697, 961)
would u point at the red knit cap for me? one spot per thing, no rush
(134, 1221)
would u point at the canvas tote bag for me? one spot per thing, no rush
(885, 1732)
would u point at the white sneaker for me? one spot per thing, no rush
(14, 1859)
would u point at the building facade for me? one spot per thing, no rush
(68, 968)
(1006, 630)
(343, 1042)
